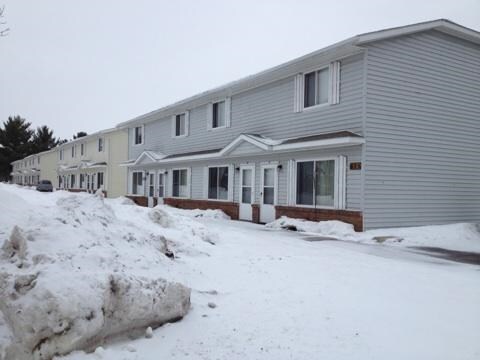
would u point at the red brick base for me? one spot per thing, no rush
(256, 213)
(229, 208)
(139, 200)
(352, 217)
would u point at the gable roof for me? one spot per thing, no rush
(336, 51)
(150, 155)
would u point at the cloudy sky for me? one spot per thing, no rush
(88, 65)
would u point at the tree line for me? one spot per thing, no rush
(18, 140)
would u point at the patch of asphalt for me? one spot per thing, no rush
(464, 257)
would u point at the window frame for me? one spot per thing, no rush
(82, 149)
(224, 101)
(101, 141)
(335, 183)
(316, 71)
(188, 183)
(174, 125)
(228, 166)
(142, 128)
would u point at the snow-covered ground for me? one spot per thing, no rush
(460, 237)
(260, 293)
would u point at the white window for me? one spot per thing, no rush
(218, 183)
(316, 88)
(82, 149)
(218, 114)
(180, 124)
(61, 154)
(138, 133)
(180, 183)
(316, 183)
(137, 183)
(73, 151)
(100, 144)
(161, 185)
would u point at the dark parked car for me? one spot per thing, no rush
(45, 185)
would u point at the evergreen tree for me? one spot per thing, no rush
(43, 140)
(15, 138)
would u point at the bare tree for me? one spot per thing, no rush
(3, 30)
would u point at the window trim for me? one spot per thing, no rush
(336, 183)
(174, 125)
(103, 144)
(224, 114)
(188, 183)
(316, 71)
(135, 136)
(230, 173)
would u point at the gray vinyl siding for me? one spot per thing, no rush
(197, 180)
(422, 131)
(266, 110)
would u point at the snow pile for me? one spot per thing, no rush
(76, 269)
(331, 228)
(461, 237)
(214, 214)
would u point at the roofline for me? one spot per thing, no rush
(89, 136)
(249, 82)
(340, 49)
(443, 25)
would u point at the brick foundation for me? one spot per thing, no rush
(256, 213)
(229, 208)
(352, 217)
(139, 200)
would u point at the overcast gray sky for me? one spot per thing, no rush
(88, 65)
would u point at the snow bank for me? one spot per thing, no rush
(461, 237)
(332, 228)
(76, 269)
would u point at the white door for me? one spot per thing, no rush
(151, 189)
(268, 193)
(161, 187)
(246, 189)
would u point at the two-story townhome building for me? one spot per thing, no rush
(27, 170)
(92, 162)
(378, 130)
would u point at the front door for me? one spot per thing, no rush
(151, 189)
(268, 193)
(161, 177)
(246, 188)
